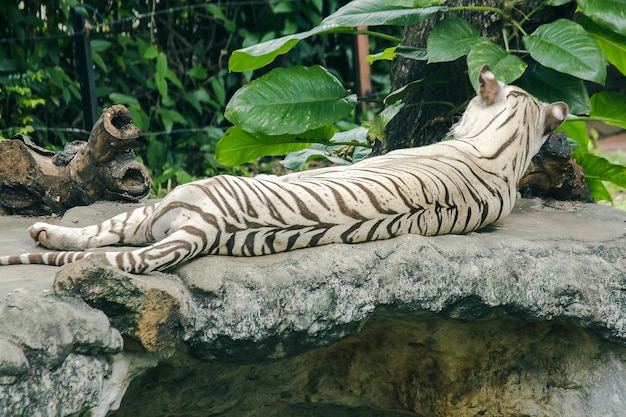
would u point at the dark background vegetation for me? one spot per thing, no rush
(138, 47)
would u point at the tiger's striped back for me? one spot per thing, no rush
(454, 186)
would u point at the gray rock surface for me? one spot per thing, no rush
(527, 317)
(54, 357)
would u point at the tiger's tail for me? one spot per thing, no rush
(170, 251)
(56, 258)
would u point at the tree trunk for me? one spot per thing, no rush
(35, 181)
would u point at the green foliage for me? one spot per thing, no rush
(166, 61)
(345, 20)
(290, 101)
(617, 194)
(553, 63)
(612, 45)
(337, 154)
(34, 85)
(508, 67)
(452, 38)
(551, 86)
(565, 46)
(283, 111)
(239, 146)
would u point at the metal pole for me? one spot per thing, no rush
(362, 69)
(84, 67)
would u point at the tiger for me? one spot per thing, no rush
(451, 187)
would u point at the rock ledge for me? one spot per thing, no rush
(527, 317)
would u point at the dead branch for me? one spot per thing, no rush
(36, 181)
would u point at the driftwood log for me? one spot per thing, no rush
(553, 173)
(35, 181)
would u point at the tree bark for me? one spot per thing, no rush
(35, 181)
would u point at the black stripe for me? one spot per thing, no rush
(206, 192)
(373, 229)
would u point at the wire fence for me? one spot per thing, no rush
(87, 132)
(105, 25)
(104, 22)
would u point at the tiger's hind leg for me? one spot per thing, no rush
(130, 228)
(180, 246)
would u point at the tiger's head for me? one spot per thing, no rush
(501, 114)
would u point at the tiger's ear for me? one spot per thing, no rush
(556, 113)
(489, 89)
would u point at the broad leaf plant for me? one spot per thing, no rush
(295, 110)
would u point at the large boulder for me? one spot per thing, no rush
(527, 317)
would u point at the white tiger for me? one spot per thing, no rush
(454, 186)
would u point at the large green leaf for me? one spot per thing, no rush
(598, 190)
(566, 46)
(438, 77)
(383, 12)
(261, 54)
(355, 13)
(577, 131)
(297, 160)
(387, 55)
(550, 86)
(450, 39)
(607, 13)
(290, 101)
(505, 66)
(613, 45)
(238, 146)
(610, 106)
(412, 52)
(598, 168)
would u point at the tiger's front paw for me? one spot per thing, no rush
(54, 237)
(39, 233)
